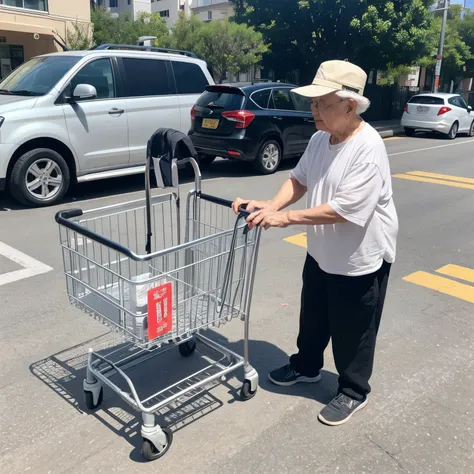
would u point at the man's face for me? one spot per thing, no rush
(328, 112)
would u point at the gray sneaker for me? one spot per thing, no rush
(286, 376)
(340, 409)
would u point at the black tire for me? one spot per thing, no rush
(261, 163)
(453, 131)
(206, 160)
(409, 132)
(149, 450)
(17, 184)
(89, 399)
(186, 349)
(246, 392)
(471, 130)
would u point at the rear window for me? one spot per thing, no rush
(427, 100)
(189, 78)
(262, 97)
(221, 100)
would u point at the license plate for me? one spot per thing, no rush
(422, 110)
(210, 123)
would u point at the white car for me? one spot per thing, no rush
(444, 113)
(86, 115)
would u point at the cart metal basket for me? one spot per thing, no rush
(129, 266)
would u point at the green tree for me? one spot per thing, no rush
(371, 33)
(125, 30)
(457, 44)
(224, 45)
(79, 36)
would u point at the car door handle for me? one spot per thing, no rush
(309, 120)
(116, 111)
(278, 118)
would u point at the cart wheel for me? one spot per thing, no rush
(89, 399)
(149, 450)
(246, 392)
(187, 348)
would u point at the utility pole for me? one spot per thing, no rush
(439, 57)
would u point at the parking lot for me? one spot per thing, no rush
(420, 417)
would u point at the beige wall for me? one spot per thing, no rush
(18, 25)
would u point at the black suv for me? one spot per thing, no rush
(259, 123)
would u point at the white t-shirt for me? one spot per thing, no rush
(354, 178)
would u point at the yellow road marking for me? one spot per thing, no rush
(299, 239)
(434, 181)
(393, 138)
(446, 177)
(456, 271)
(443, 285)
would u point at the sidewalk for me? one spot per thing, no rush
(388, 128)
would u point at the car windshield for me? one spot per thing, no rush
(37, 76)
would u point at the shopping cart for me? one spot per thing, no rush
(128, 266)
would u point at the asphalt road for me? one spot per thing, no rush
(420, 417)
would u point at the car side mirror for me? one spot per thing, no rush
(469, 108)
(84, 92)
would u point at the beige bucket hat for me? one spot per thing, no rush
(335, 76)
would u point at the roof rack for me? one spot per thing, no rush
(145, 48)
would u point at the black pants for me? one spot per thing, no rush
(348, 310)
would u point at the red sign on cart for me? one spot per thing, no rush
(160, 310)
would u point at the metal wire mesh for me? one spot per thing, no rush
(209, 273)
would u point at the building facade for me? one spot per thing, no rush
(169, 9)
(119, 7)
(208, 10)
(29, 28)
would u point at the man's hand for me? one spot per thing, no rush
(267, 218)
(251, 205)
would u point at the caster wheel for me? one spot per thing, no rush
(149, 450)
(246, 392)
(89, 399)
(187, 348)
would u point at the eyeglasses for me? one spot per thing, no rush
(320, 107)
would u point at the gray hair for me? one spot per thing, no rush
(362, 102)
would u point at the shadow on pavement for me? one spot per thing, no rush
(129, 184)
(65, 371)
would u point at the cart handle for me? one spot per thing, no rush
(63, 218)
(224, 202)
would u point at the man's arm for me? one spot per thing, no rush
(290, 192)
(319, 215)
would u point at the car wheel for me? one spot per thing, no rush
(268, 157)
(39, 178)
(454, 131)
(409, 132)
(206, 160)
(471, 130)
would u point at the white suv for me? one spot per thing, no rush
(86, 115)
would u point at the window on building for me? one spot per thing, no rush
(98, 74)
(189, 78)
(113, 3)
(41, 5)
(153, 77)
(165, 13)
(209, 15)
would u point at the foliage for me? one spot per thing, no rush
(125, 30)
(224, 45)
(458, 43)
(371, 33)
(79, 36)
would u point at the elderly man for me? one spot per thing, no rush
(352, 228)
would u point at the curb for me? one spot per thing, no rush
(393, 132)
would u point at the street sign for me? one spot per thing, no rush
(438, 67)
